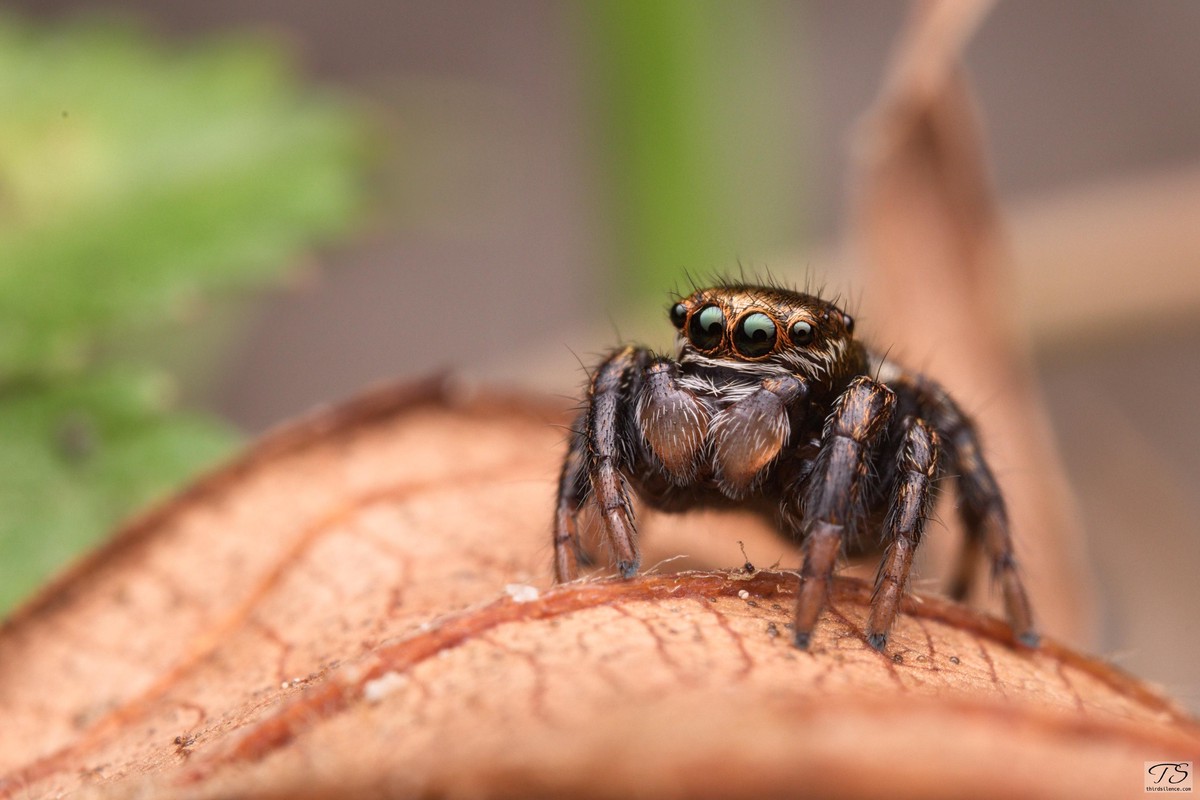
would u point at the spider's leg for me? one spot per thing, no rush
(986, 522)
(572, 488)
(833, 496)
(912, 496)
(981, 508)
(607, 431)
(748, 435)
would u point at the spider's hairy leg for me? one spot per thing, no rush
(909, 506)
(572, 488)
(615, 384)
(986, 520)
(982, 510)
(672, 420)
(833, 495)
(748, 435)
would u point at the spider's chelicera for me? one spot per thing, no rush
(771, 403)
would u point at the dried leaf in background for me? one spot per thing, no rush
(934, 256)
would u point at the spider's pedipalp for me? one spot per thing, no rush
(673, 422)
(748, 435)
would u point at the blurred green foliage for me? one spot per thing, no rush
(142, 184)
(703, 148)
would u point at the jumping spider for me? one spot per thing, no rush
(772, 404)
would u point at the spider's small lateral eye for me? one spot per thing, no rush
(802, 332)
(707, 328)
(848, 321)
(755, 335)
(678, 315)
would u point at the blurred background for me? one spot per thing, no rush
(216, 215)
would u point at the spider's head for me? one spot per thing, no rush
(764, 330)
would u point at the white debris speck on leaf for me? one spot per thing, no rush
(385, 684)
(521, 592)
(744, 594)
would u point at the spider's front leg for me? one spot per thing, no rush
(572, 489)
(908, 509)
(636, 409)
(600, 452)
(833, 495)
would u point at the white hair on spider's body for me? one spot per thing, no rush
(732, 380)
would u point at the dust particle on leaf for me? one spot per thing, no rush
(521, 592)
(388, 683)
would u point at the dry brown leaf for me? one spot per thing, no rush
(360, 605)
(942, 292)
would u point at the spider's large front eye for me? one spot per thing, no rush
(802, 332)
(678, 315)
(755, 335)
(707, 328)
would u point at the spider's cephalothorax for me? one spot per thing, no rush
(770, 402)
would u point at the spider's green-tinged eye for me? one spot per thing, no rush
(678, 315)
(802, 332)
(755, 335)
(707, 328)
